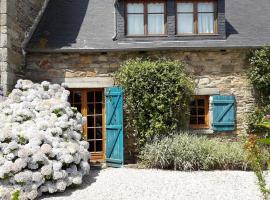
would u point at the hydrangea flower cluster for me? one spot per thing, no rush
(41, 145)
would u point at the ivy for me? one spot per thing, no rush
(157, 96)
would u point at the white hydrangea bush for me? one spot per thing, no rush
(41, 144)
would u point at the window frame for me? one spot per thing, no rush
(145, 14)
(195, 18)
(206, 99)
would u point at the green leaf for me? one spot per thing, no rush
(264, 141)
(265, 124)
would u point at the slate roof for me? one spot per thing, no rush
(88, 25)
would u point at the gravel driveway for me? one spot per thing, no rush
(136, 184)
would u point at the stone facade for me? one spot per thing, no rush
(215, 72)
(16, 17)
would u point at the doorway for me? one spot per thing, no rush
(91, 103)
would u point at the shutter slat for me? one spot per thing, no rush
(223, 101)
(223, 123)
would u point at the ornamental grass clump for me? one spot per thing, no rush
(189, 152)
(41, 145)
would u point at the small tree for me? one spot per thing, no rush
(157, 96)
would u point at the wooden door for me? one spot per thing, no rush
(90, 102)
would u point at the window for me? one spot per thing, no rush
(195, 17)
(199, 108)
(145, 18)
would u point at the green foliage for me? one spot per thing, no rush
(190, 152)
(257, 117)
(254, 148)
(255, 145)
(15, 195)
(266, 124)
(157, 96)
(59, 112)
(259, 76)
(259, 73)
(22, 140)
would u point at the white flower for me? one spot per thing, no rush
(51, 187)
(57, 165)
(32, 194)
(59, 175)
(10, 156)
(24, 152)
(23, 177)
(77, 180)
(19, 164)
(33, 166)
(46, 148)
(12, 146)
(45, 84)
(46, 170)
(39, 157)
(2, 160)
(67, 158)
(37, 177)
(61, 185)
(85, 167)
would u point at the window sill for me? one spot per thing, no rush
(202, 131)
(196, 35)
(145, 36)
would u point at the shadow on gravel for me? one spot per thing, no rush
(87, 181)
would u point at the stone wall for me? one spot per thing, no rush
(16, 17)
(215, 72)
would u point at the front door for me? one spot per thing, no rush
(91, 103)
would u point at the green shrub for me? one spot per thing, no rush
(157, 96)
(255, 118)
(259, 74)
(190, 152)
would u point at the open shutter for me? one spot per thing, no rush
(114, 127)
(223, 113)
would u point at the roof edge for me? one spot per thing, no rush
(76, 50)
(34, 26)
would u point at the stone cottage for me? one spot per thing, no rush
(81, 43)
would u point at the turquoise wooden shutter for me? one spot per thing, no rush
(114, 127)
(223, 113)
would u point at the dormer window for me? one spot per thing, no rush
(170, 20)
(195, 17)
(145, 18)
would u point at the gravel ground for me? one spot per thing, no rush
(138, 184)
